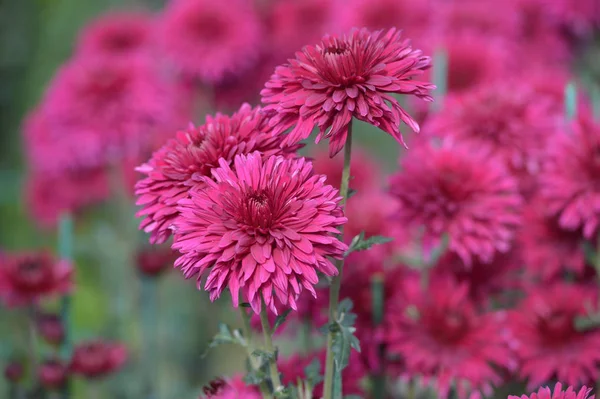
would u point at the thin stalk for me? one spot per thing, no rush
(65, 249)
(247, 330)
(377, 303)
(149, 297)
(411, 391)
(267, 334)
(305, 335)
(334, 290)
(33, 343)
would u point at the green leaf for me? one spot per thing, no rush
(255, 377)
(359, 243)
(351, 193)
(265, 355)
(312, 372)
(589, 252)
(281, 319)
(245, 305)
(587, 323)
(225, 336)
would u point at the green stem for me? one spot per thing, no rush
(305, 335)
(267, 334)
(65, 249)
(377, 303)
(33, 343)
(247, 330)
(149, 297)
(411, 391)
(334, 290)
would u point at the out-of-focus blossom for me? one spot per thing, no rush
(559, 393)
(211, 40)
(182, 162)
(13, 371)
(152, 262)
(50, 328)
(460, 191)
(569, 182)
(25, 278)
(264, 228)
(578, 18)
(346, 77)
(97, 358)
(441, 337)
(234, 388)
(546, 340)
(475, 17)
(53, 374)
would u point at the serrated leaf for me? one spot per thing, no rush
(345, 306)
(359, 243)
(225, 336)
(270, 356)
(281, 319)
(312, 372)
(255, 377)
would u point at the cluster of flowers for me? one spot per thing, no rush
(490, 210)
(27, 280)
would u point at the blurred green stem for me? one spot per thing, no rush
(65, 250)
(267, 334)
(334, 290)
(33, 344)
(377, 303)
(247, 330)
(149, 299)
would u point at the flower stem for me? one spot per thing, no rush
(247, 330)
(33, 343)
(149, 296)
(65, 249)
(267, 333)
(334, 290)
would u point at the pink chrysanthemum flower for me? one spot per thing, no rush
(117, 35)
(294, 23)
(211, 39)
(193, 153)
(549, 250)
(559, 393)
(265, 229)
(344, 77)
(412, 16)
(48, 195)
(546, 340)
(569, 182)
(97, 358)
(441, 336)
(99, 111)
(365, 170)
(513, 121)
(26, 278)
(460, 191)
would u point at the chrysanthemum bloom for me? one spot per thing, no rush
(366, 173)
(265, 229)
(98, 111)
(53, 374)
(291, 24)
(486, 281)
(50, 328)
(546, 340)
(293, 368)
(233, 388)
(25, 278)
(579, 18)
(474, 17)
(98, 358)
(119, 35)
(13, 372)
(412, 16)
(569, 182)
(559, 393)
(512, 120)
(549, 250)
(211, 39)
(152, 262)
(344, 77)
(48, 195)
(193, 153)
(459, 191)
(442, 337)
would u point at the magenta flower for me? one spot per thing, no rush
(265, 228)
(559, 393)
(549, 250)
(461, 191)
(211, 39)
(97, 358)
(545, 338)
(344, 77)
(28, 277)
(53, 374)
(231, 389)
(118, 35)
(569, 182)
(441, 336)
(182, 162)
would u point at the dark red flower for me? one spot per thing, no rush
(265, 227)
(117, 34)
(546, 340)
(344, 77)
(559, 393)
(184, 160)
(234, 388)
(549, 250)
(441, 337)
(569, 182)
(154, 261)
(459, 191)
(25, 278)
(96, 359)
(211, 39)
(13, 372)
(50, 328)
(53, 374)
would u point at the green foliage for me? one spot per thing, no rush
(281, 319)
(359, 243)
(227, 336)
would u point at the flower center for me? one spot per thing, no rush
(209, 27)
(337, 49)
(257, 210)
